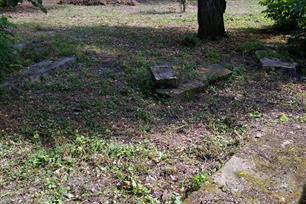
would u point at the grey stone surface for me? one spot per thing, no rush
(36, 73)
(164, 76)
(277, 63)
(42, 69)
(191, 86)
(213, 72)
(227, 176)
(270, 169)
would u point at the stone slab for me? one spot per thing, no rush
(277, 63)
(36, 73)
(270, 169)
(227, 175)
(40, 70)
(213, 72)
(164, 76)
(190, 86)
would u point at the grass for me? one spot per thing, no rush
(96, 132)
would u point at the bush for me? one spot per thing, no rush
(288, 14)
(13, 3)
(7, 53)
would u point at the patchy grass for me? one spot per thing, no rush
(96, 132)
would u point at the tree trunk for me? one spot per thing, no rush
(210, 18)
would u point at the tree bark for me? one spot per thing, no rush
(210, 18)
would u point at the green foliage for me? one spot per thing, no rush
(283, 118)
(198, 181)
(13, 3)
(7, 54)
(255, 114)
(288, 14)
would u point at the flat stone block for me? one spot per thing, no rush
(164, 76)
(277, 63)
(42, 69)
(213, 72)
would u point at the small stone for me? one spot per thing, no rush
(286, 143)
(259, 135)
(164, 76)
(173, 178)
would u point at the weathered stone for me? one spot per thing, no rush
(36, 73)
(277, 63)
(164, 76)
(267, 166)
(191, 86)
(227, 175)
(213, 72)
(42, 69)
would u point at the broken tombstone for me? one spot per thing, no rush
(164, 76)
(275, 63)
(207, 74)
(213, 72)
(36, 72)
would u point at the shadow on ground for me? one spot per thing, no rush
(94, 98)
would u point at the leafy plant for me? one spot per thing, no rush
(288, 14)
(13, 3)
(283, 118)
(7, 54)
(198, 180)
(255, 114)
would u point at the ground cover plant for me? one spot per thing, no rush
(97, 132)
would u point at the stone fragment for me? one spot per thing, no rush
(213, 72)
(36, 73)
(227, 175)
(190, 86)
(42, 69)
(164, 76)
(277, 63)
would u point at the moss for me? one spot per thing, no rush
(259, 183)
(287, 160)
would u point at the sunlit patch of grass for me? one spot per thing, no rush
(53, 168)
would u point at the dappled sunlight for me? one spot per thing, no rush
(78, 134)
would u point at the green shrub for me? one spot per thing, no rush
(288, 14)
(198, 181)
(7, 53)
(13, 3)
